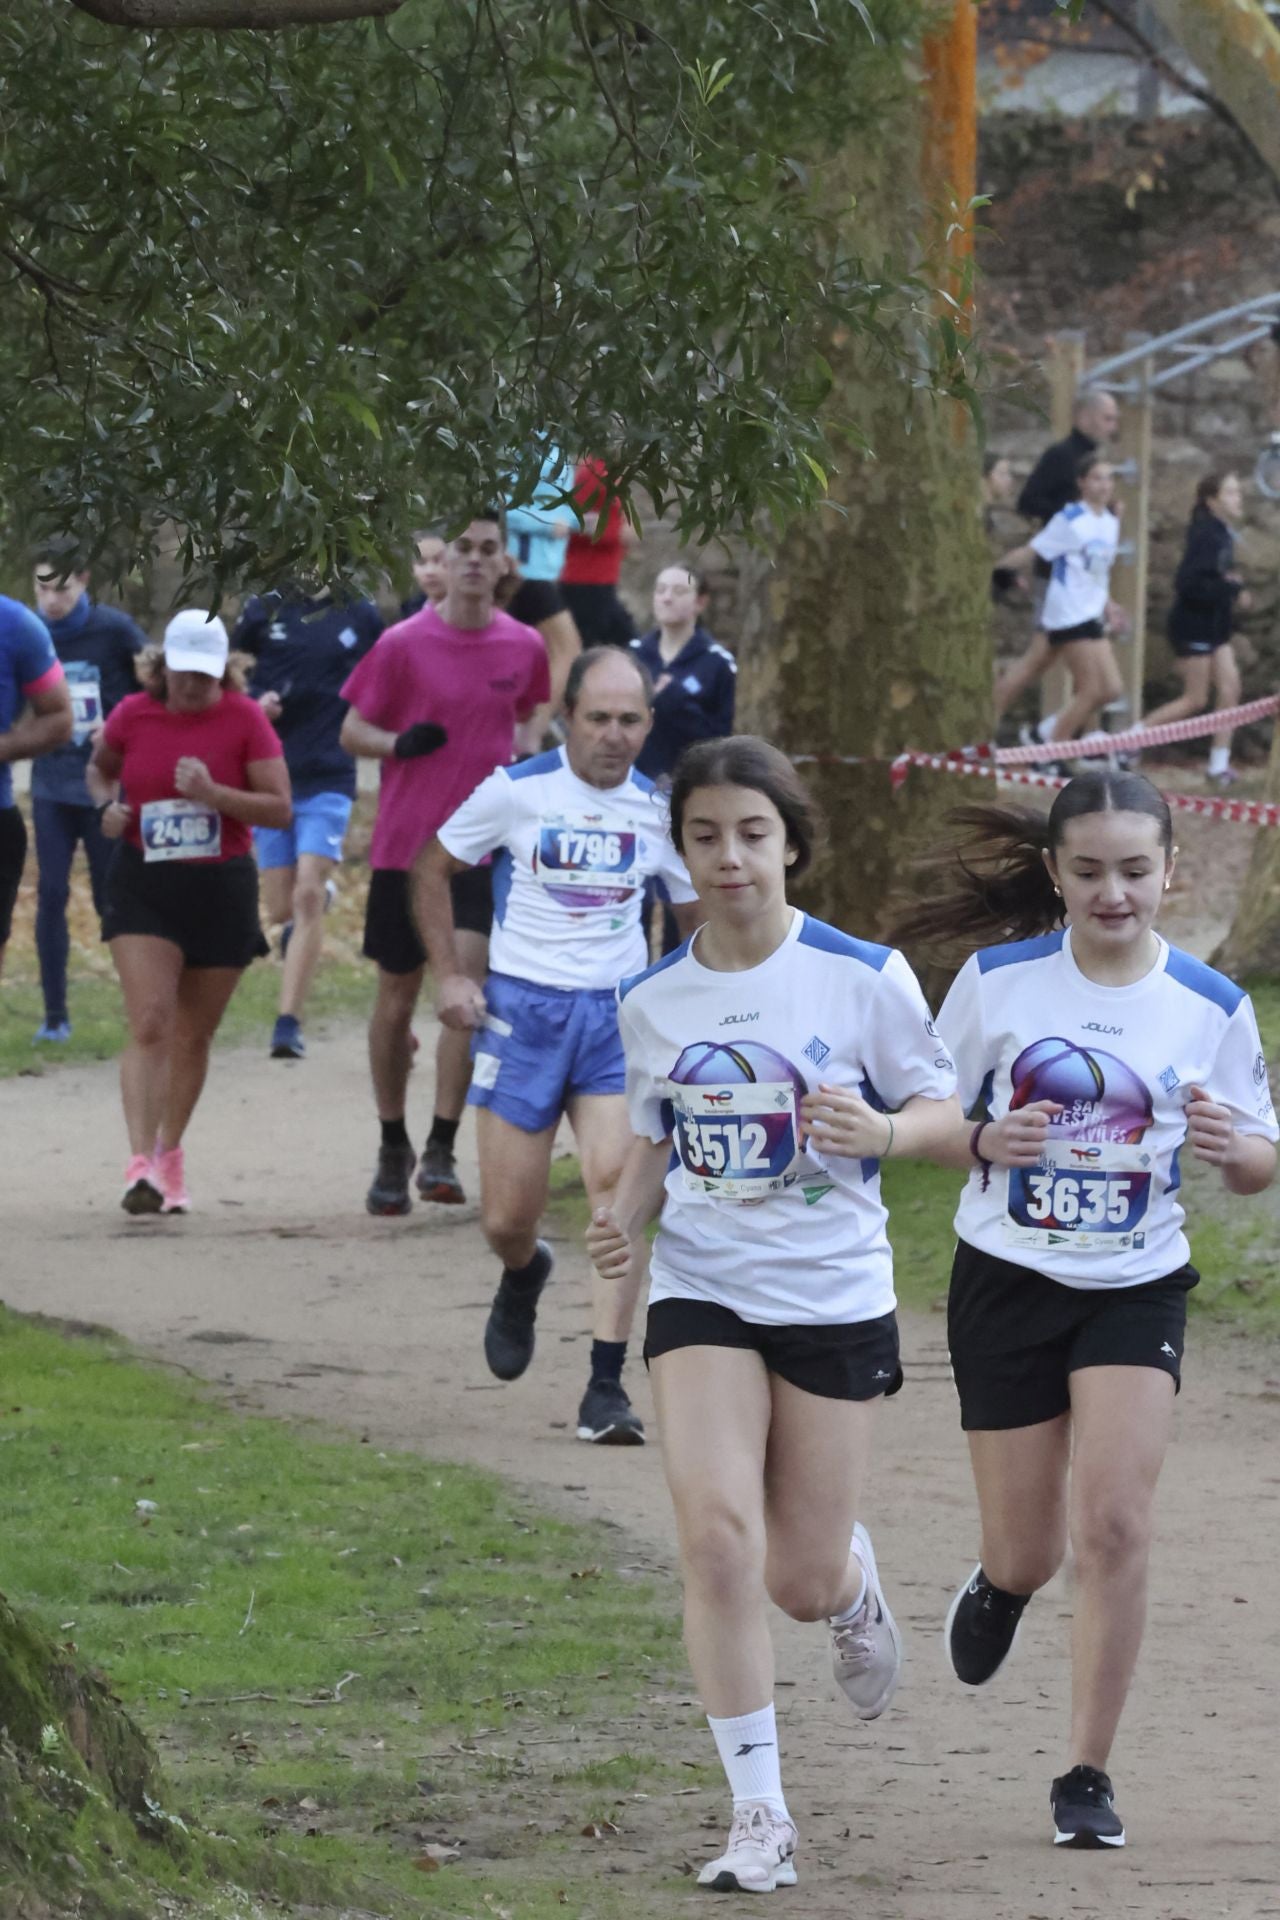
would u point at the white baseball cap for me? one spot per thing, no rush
(195, 641)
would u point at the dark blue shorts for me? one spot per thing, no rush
(541, 1045)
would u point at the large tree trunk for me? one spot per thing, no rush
(870, 633)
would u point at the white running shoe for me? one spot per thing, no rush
(866, 1652)
(758, 1857)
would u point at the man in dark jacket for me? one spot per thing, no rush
(97, 647)
(1051, 484)
(693, 676)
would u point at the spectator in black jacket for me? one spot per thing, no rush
(1208, 593)
(693, 676)
(1051, 485)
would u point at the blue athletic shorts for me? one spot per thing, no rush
(319, 826)
(541, 1045)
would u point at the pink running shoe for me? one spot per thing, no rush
(169, 1172)
(141, 1186)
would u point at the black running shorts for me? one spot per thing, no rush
(535, 601)
(854, 1361)
(207, 908)
(390, 932)
(1197, 646)
(13, 857)
(1016, 1337)
(1062, 636)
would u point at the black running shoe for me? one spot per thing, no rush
(1084, 1810)
(606, 1416)
(389, 1193)
(438, 1176)
(508, 1332)
(982, 1626)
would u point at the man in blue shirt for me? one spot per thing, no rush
(305, 647)
(97, 647)
(30, 677)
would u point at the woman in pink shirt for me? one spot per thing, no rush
(181, 774)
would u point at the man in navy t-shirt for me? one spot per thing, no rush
(305, 647)
(97, 647)
(30, 676)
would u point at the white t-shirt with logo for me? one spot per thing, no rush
(1102, 1208)
(753, 1220)
(571, 865)
(1081, 545)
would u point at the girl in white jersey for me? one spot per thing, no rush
(1093, 1054)
(772, 1063)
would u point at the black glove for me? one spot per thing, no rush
(424, 737)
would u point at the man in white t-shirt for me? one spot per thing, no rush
(1080, 544)
(575, 834)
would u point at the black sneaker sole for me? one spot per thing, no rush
(143, 1199)
(1091, 1842)
(613, 1436)
(442, 1193)
(388, 1209)
(287, 1053)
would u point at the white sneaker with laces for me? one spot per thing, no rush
(866, 1652)
(758, 1858)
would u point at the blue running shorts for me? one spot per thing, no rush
(541, 1045)
(319, 826)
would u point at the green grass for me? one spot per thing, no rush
(342, 990)
(342, 1655)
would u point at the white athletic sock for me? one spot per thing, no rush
(748, 1749)
(851, 1612)
(1045, 727)
(1219, 759)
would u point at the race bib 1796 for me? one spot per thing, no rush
(575, 852)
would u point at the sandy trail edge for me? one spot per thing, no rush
(940, 1809)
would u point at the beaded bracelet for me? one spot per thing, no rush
(981, 1158)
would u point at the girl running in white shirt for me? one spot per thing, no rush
(1097, 1054)
(782, 1061)
(1081, 543)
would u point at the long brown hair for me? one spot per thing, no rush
(744, 760)
(991, 883)
(153, 676)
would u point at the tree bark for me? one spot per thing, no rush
(267, 15)
(42, 1687)
(1237, 49)
(870, 633)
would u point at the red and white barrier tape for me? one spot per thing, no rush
(1133, 738)
(1255, 813)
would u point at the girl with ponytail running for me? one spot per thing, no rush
(1092, 1058)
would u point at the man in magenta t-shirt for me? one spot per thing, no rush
(437, 701)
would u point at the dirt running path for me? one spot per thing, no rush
(282, 1288)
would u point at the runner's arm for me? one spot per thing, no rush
(46, 724)
(460, 1003)
(615, 1237)
(360, 737)
(265, 802)
(1016, 1139)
